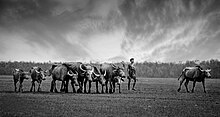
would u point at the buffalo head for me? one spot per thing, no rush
(119, 71)
(38, 71)
(87, 71)
(74, 77)
(207, 73)
(118, 80)
(100, 77)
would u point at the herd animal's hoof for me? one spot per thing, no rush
(39, 90)
(204, 91)
(178, 90)
(133, 89)
(74, 91)
(79, 91)
(56, 91)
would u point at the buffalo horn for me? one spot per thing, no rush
(82, 68)
(76, 73)
(105, 73)
(208, 70)
(37, 71)
(70, 73)
(96, 74)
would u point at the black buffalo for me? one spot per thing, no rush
(194, 74)
(63, 73)
(19, 75)
(37, 75)
(84, 74)
(97, 77)
(114, 74)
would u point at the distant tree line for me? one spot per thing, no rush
(144, 69)
(173, 70)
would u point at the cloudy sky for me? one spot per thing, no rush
(109, 30)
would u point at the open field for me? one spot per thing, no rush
(154, 97)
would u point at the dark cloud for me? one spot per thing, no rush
(166, 30)
(170, 29)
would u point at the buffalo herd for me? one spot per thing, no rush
(107, 75)
(79, 74)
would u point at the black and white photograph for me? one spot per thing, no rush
(110, 58)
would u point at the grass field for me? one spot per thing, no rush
(154, 97)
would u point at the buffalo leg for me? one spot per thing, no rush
(52, 86)
(119, 88)
(90, 85)
(85, 82)
(15, 82)
(181, 82)
(203, 84)
(80, 86)
(55, 87)
(186, 85)
(67, 85)
(97, 87)
(74, 90)
(194, 84)
(110, 87)
(106, 87)
(31, 86)
(103, 89)
(39, 89)
(113, 87)
(20, 86)
(62, 88)
(79, 90)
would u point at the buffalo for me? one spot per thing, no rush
(114, 74)
(194, 74)
(63, 72)
(37, 75)
(84, 74)
(97, 77)
(19, 75)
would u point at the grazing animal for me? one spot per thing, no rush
(85, 72)
(97, 77)
(194, 74)
(113, 72)
(37, 75)
(63, 73)
(19, 75)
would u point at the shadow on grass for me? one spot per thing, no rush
(52, 93)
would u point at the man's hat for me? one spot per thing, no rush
(131, 59)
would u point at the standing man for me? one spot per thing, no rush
(131, 74)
